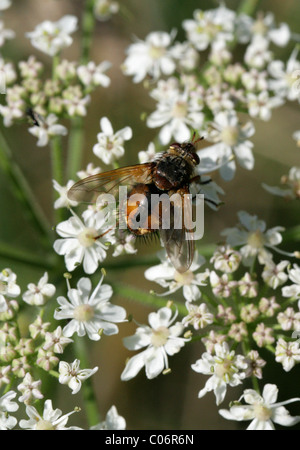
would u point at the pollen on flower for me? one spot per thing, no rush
(256, 239)
(87, 237)
(184, 278)
(156, 52)
(180, 109)
(84, 313)
(229, 135)
(44, 425)
(261, 412)
(160, 336)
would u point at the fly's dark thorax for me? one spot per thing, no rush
(172, 171)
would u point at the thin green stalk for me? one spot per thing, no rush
(90, 401)
(16, 254)
(23, 192)
(248, 7)
(57, 169)
(88, 25)
(132, 293)
(76, 136)
(75, 146)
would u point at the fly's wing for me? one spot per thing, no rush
(178, 238)
(88, 189)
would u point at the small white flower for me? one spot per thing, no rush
(90, 313)
(226, 259)
(284, 82)
(52, 37)
(30, 389)
(263, 26)
(52, 419)
(221, 286)
(287, 353)
(262, 410)
(92, 75)
(198, 316)
(150, 57)
(231, 140)
(40, 293)
(63, 201)
(110, 144)
(294, 289)
(56, 341)
(7, 405)
(103, 9)
(289, 319)
(7, 71)
(83, 242)
(253, 238)
(260, 105)
(274, 275)
(177, 114)
(5, 4)
(292, 183)
(8, 287)
(47, 129)
(5, 33)
(147, 155)
(225, 368)
(90, 170)
(30, 68)
(257, 54)
(71, 375)
(113, 421)
(209, 26)
(167, 276)
(124, 244)
(296, 136)
(161, 340)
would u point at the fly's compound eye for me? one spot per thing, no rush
(196, 158)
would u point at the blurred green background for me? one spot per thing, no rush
(168, 402)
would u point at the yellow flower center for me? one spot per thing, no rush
(44, 425)
(160, 336)
(256, 239)
(230, 135)
(262, 412)
(184, 278)
(156, 52)
(87, 237)
(180, 109)
(84, 313)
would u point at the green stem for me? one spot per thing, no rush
(132, 293)
(57, 170)
(10, 252)
(88, 24)
(90, 402)
(248, 7)
(22, 191)
(75, 146)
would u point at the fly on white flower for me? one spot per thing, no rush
(262, 410)
(90, 313)
(110, 144)
(71, 375)
(52, 37)
(161, 340)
